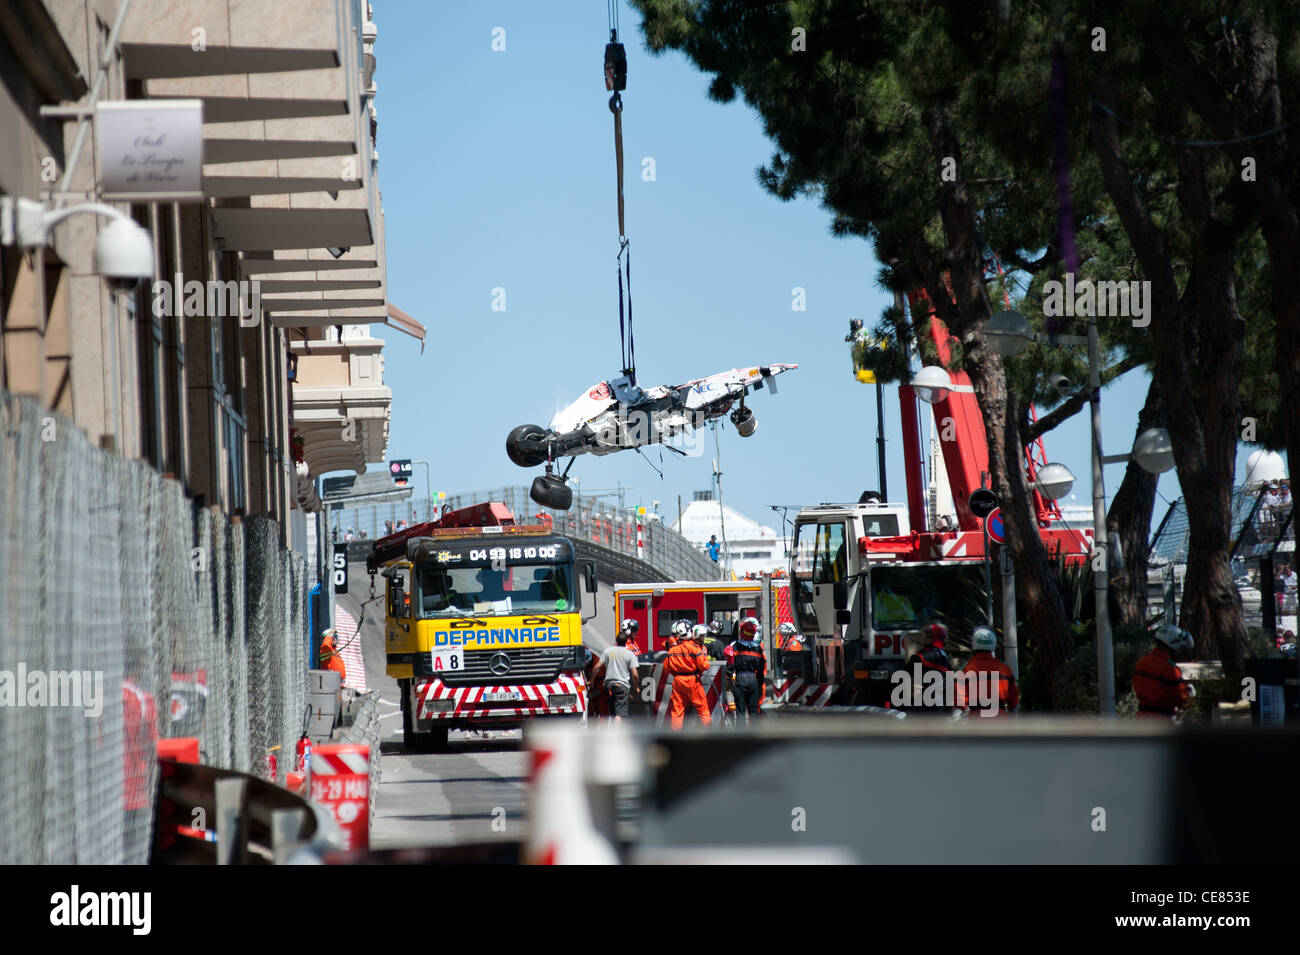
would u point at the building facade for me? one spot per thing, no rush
(245, 411)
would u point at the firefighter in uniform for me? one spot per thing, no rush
(926, 655)
(630, 627)
(984, 641)
(749, 667)
(932, 655)
(791, 641)
(681, 630)
(1161, 690)
(687, 661)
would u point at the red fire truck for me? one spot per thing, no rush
(656, 607)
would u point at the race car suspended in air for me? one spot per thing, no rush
(618, 414)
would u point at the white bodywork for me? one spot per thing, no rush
(623, 415)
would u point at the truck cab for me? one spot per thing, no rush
(483, 623)
(859, 587)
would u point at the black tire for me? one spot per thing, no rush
(522, 446)
(550, 491)
(408, 728)
(434, 741)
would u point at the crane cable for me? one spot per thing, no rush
(616, 82)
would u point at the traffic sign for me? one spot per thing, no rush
(993, 525)
(401, 471)
(983, 502)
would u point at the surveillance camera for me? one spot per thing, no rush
(124, 255)
(1062, 384)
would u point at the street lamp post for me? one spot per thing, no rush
(1100, 541)
(1008, 333)
(428, 490)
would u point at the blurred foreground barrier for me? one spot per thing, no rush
(340, 781)
(210, 816)
(366, 729)
(572, 782)
(975, 791)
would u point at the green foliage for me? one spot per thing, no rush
(1076, 683)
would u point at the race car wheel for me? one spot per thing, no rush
(524, 447)
(550, 491)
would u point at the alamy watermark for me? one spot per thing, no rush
(1087, 298)
(129, 909)
(71, 688)
(211, 299)
(974, 689)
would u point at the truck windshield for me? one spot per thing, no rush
(908, 597)
(482, 591)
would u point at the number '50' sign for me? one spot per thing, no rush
(340, 568)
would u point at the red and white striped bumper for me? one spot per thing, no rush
(794, 691)
(468, 702)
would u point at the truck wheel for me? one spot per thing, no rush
(434, 741)
(408, 729)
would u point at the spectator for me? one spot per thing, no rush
(1268, 508)
(712, 548)
(1289, 584)
(388, 528)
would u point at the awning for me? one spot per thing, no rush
(399, 320)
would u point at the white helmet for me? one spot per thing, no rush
(982, 638)
(1175, 638)
(682, 628)
(700, 631)
(629, 626)
(786, 630)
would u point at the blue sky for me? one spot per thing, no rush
(497, 170)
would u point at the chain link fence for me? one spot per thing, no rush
(590, 518)
(129, 614)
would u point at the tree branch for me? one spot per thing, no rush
(1064, 412)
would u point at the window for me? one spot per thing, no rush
(830, 562)
(669, 617)
(451, 591)
(880, 525)
(399, 598)
(903, 598)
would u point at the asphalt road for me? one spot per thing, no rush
(474, 792)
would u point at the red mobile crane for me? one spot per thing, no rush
(859, 583)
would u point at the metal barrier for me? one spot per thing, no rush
(129, 614)
(590, 519)
(365, 728)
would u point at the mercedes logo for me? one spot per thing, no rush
(499, 664)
